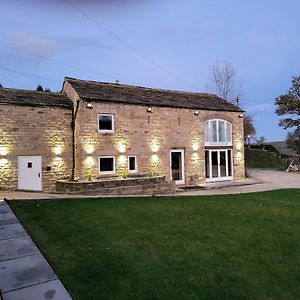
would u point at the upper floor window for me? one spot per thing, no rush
(106, 123)
(218, 132)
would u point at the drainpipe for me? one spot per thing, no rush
(74, 115)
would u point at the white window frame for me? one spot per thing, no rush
(136, 168)
(114, 164)
(113, 123)
(219, 178)
(226, 125)
(181, 151)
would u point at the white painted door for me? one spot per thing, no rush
(30, 173)
(177, 166)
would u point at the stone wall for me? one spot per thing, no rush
(43, 131)
(129, 186)
(149, 136)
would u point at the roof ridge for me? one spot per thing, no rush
(143, 87)
(123, 93)
(31, 91)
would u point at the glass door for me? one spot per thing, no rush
(218, 165)
(177, 166)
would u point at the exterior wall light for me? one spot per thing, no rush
(89, 105)
(89, 148)
(122, 160)
(121, 146)
(57, 150)
(195, 147)
(155, 158)
(154, 146)
(3, 152)
(89, 162)
(239, 146)
(149, 109)
(196, 113)
(3, 162)
(241, 115)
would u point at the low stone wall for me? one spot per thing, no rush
(130, 186)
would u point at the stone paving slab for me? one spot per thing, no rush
(15, 248)
(6, 215)
(24, 271)
(7, 218)
(51, 290)
(12, 231)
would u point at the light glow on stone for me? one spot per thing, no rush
(57, 150)
(3, 162)
(89, 148)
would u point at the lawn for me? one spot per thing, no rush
(214, 247)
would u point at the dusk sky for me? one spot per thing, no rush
(182, 39)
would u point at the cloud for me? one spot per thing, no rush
(262, 107)
(34, 44)
(82, 41)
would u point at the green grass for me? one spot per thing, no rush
(214, 247)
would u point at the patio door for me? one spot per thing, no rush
(218, 165)
(177, 166)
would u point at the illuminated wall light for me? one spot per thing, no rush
(239, 155)
(195, 146)
(122, 160)
(90, 161)
(154, 158)
(122, 147)
(57, 150)
(3, 162)
(89, 148)
(3, 151)
(239, 146)
(154, 146)
(196, 113)
(58, 162)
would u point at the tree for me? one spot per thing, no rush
(293, 140)
(1, 86)
(39, 88)
(261, 141)
(224, 84)
(223, 81)
(289, 105)
(249, 129)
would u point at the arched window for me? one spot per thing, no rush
(218, 132)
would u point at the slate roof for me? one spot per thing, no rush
(34, 98)
(121, 93)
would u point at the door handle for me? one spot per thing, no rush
(39, 175)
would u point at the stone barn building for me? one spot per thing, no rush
(95, 130)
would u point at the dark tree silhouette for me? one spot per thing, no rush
(289, 105)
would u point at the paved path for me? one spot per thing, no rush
(24, 272)
(266, 180)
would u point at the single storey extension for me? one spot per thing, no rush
(95, 130)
